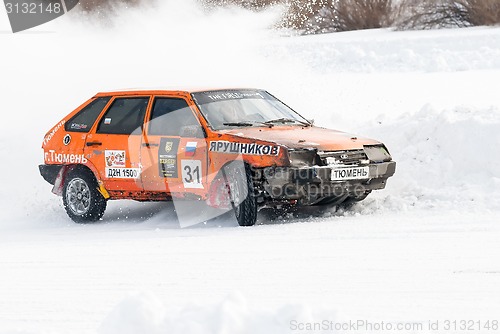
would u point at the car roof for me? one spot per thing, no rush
(159, 91)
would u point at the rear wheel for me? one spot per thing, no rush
(81, 199)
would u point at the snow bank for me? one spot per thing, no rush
(146, 313)
(395, 51)
(446, 159)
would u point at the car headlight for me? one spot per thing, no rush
(303, 158)
(377, 153)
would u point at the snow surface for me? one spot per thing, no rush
(425, 248)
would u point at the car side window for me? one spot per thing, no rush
(85, 118)
(173, 117)
(125, 116)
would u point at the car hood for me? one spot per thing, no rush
(298, 137)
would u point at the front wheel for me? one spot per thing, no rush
(241, 193)
(81, 200)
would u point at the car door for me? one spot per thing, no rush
(114, 145)
(173, 150)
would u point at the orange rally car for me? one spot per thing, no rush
(236, 149)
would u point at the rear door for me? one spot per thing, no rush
(114, 145)
(173, 150)
(81, 124)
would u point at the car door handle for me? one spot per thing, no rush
(94, 143)
(150, 144)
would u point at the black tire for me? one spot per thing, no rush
(81, 199)
(240, 182)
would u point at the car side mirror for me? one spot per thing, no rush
(311, 121)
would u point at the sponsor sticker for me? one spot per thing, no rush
(221, 96)
(226, 95)
(107, 121)
(167, 157)
(123, 173)
(115, 158)
(243, 148)
(63, 158)
(51, 134)
(76, 126)
(67, 139)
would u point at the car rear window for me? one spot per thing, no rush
(85, 119)
(124, 116)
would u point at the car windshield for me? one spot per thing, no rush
(244, 108)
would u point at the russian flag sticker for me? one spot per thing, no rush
(191, 148)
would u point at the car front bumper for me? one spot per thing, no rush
(310, 185)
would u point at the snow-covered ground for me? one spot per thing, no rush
(425, 248)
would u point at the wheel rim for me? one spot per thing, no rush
(78, 196)
(235, 193)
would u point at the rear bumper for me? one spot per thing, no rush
(312, 184)
(49, 172)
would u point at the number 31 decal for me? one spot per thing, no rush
(191, 173)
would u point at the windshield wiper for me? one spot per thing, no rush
(286, 120)
(248, 123)
(238, 124)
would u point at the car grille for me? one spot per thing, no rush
(351, 157)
